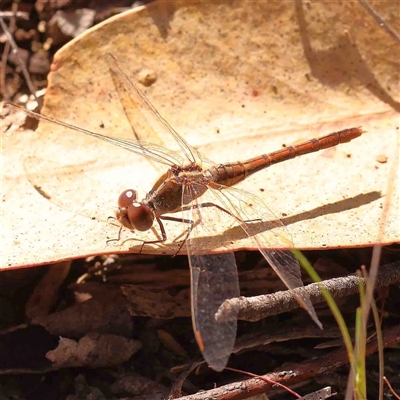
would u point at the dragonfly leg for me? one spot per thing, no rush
(144, 242)
(186, 221)
(113, 223)
(137, 240)
(209, 204)
(116, 239)
(191, 223)
(163, 235)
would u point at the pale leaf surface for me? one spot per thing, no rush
(235, 80)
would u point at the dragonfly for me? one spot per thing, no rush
(202, 193)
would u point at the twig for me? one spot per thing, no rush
(11, 42)
(285, 331)
(14, 14)
(292, 374)
(259, 307)
(380, 20)
(391, 388)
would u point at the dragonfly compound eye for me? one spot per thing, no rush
(126, 198)
(132, 214)
(140, 216)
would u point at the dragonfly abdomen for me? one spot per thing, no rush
(230, 174)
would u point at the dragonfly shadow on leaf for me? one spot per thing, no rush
(236, 233)
(334, 208)
(70, 189)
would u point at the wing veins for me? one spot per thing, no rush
(283, 262)
(158, 154)
(186, 148)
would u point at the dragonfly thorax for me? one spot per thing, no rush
(132, 214)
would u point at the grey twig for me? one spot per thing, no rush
(259, 307)
(21, 63)
(12, 14)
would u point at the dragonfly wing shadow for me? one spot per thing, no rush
(334, 208)
(70, 189)
(259, 226)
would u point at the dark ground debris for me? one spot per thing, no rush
(70, 331)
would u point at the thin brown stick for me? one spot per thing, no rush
(391, 388)
(293, 373)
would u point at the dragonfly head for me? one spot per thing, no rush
(132, 214)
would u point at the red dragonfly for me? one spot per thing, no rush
(201, 191)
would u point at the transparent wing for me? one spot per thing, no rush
(214, 279)
(148, 150)
(145, 120)
(270, 235)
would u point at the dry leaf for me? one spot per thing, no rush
(46, 292)
(105, 312)
(158, 303)
(94, 350)
(286, 73)
(135, 384)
